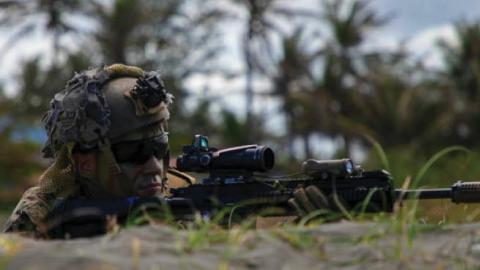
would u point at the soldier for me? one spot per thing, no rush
(107, 132)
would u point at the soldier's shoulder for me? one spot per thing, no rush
(177, 178)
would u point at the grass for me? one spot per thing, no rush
(202, 233)
(437, 156)
(301, 239)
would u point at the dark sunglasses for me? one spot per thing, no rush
(140, 151)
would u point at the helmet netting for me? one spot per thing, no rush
(59, 178)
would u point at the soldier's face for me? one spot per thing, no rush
(142, 179)
(141, 163)
(135, 179)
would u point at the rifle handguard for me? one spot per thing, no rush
(466, 192)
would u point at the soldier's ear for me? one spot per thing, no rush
(85, 164)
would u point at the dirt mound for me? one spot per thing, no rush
(344, 245)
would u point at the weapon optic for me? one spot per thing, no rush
(230, 165)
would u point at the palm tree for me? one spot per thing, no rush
(349, 23)
(312, 101)
(291, 77)
(260, 24)
(360, 92)
(25, 17)
(462, 74)
(397, 110)
(463, 60)
(157, 33)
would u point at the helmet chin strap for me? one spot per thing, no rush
(166, 161)
(108, 166)
(166, 165)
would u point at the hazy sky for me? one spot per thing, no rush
(412, 16)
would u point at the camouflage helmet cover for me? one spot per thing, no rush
(102, 103)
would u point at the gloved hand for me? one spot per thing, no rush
(311, 199)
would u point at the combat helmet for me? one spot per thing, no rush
(100, 105)
(95, 108)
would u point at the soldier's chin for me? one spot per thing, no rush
(149, 191)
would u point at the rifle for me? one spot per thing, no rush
(233, 182)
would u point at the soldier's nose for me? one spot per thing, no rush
(153, 166)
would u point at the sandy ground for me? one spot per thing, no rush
(343, 245)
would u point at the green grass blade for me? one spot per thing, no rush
(436, 157)
(380, 152)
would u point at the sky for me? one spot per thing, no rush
(417, 23)
(422, 23)
(409, 17)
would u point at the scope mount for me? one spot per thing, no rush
(227, 176)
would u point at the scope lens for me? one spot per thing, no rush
(269, 158)
(205, 160)
(203, 142)
(349, 167)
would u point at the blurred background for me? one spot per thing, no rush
(310, 78)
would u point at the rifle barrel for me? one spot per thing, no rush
(425, 194)
(460, 192)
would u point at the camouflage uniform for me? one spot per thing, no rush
(98, 109)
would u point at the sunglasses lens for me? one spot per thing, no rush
(124, 151)
(140, 151)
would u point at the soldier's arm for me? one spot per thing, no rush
(29, 214)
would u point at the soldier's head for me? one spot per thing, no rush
(112, 124)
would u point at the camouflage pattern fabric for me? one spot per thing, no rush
(57, 181)
(30, 211)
